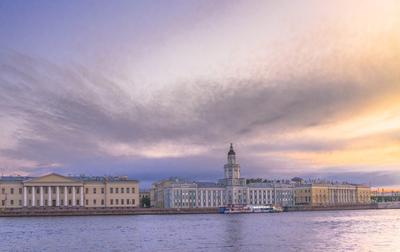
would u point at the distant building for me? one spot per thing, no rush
(385, 196)
(232, 189)
(329, 194)
(58, 191)
(144, 194)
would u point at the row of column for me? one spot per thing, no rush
(49, 203)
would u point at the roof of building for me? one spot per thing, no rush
(209, 185)
(260, 185)
(14, 178)
(105, 179)
(231, 151)
(78, 178)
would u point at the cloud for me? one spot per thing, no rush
(70, 113)
(298, 97)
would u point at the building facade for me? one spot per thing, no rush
(232, 189)
(55, 190)
(330, 194)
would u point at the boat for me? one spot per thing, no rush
(235, 209)
(266, 209)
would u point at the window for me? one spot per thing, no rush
(77, 190)
(87, 190)
(94, 190)
(69, 202)
(69, 190)
(94, 202)
(116, 202)
(20, 202)
(111, 190)
(122, 190)
(133, 202)
(12, 190)
(122, 201)
(87, 202)
(38, 190)
(20, 190)
(102, 190)
(102, 202)
(62, 190)
(127, 190)
(133, 189)
(127, 202)
(12, 202)
(62, 202)
(111, 202)
(78, 202)
(46, 190)
(116, 190)
(29, 190)
(3, 202)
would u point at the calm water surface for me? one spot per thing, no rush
(371, 230)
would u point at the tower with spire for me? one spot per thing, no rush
(235, 190)
(232, 169)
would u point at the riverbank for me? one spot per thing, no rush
(31, 212)
(331, 208)
(380, 205)
(102, 211)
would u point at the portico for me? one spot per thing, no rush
(53, 190)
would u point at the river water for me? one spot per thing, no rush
(362, 230)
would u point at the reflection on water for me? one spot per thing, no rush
(368, 230)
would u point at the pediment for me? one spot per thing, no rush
(52, 178)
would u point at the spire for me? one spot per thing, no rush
(231, 151)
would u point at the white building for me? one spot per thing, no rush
(232, 189)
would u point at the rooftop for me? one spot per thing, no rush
(79, 178)
(14, 178)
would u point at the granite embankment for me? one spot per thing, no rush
(331, 208)
(379, 205)
(26, 212)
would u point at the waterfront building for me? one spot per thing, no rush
(385, 196)
(54, 190)
(232, 189)
(331, 194)
(363, 194)
(180, 193)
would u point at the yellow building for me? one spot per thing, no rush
(363, 194)
(54, 190)
(326, 194)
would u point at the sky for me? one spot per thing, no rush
(154, 89)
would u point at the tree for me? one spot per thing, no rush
(145, 201)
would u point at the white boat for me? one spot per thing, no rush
(266, 209)
(233, 209)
